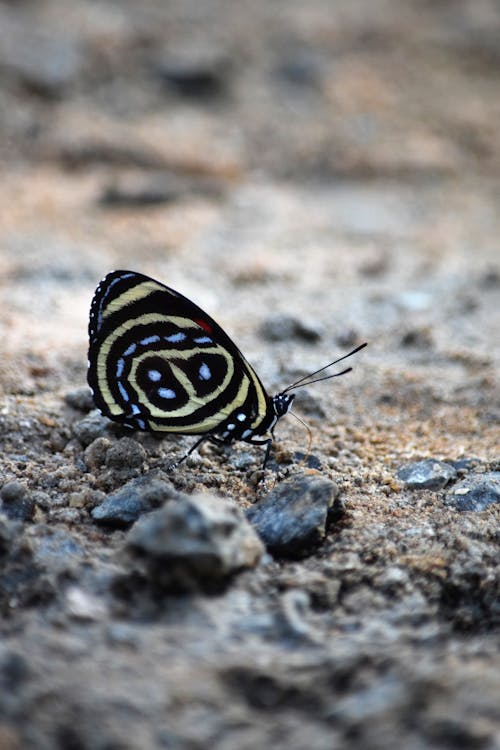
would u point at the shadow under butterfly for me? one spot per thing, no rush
(159, 363)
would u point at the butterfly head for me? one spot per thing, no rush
(282, 403)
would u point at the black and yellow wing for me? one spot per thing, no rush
(158, 362)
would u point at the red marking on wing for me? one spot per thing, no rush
(203, 324)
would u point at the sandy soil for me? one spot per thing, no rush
(336, 163)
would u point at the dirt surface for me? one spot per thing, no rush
(314, 175)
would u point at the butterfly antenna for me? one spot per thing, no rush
(306, 381)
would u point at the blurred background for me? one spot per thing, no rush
(338, 161)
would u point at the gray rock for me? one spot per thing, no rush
(476, 492)
(418, 338)
(90, 427)
(242, 461)
(96, 452)
(194, 542)
(426, 475)
(135, 498)
(201, 74)
(69, 516)
(294, 516)
(23, 582)
(125, 453)
(286, 327)
(12, 492)
(466, 464)
(83, 605)
(311, 405)
(309, 459)
(137, 191)
(16, 503)
(80, 398)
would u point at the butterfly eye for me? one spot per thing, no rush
(282, 403)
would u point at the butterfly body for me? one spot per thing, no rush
(157, 362)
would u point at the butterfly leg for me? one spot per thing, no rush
(211, 438)
(201, 440)
(268, 443)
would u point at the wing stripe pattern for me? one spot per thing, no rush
(158, 362)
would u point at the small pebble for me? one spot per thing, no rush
(308, 459)
(89, 428)
(426, 475)
(95, 454)
(392, 577)
(195, 74)
(83, 605)
(242, 461)
(302, 68)
(294, 516)
(465, 464)
(135, 498)
(286, 327)
(125, 453)
(418, 338)
(12, 492)
(17, 504)
(138, 194)
(77, 499)
(311, 405)
(348, 338)
(80, 398)
(476, 492)
(45, 501)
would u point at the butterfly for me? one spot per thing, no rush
(159, 363)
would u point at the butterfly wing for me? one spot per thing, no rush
(158, 362)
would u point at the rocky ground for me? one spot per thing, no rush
(314, 175)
